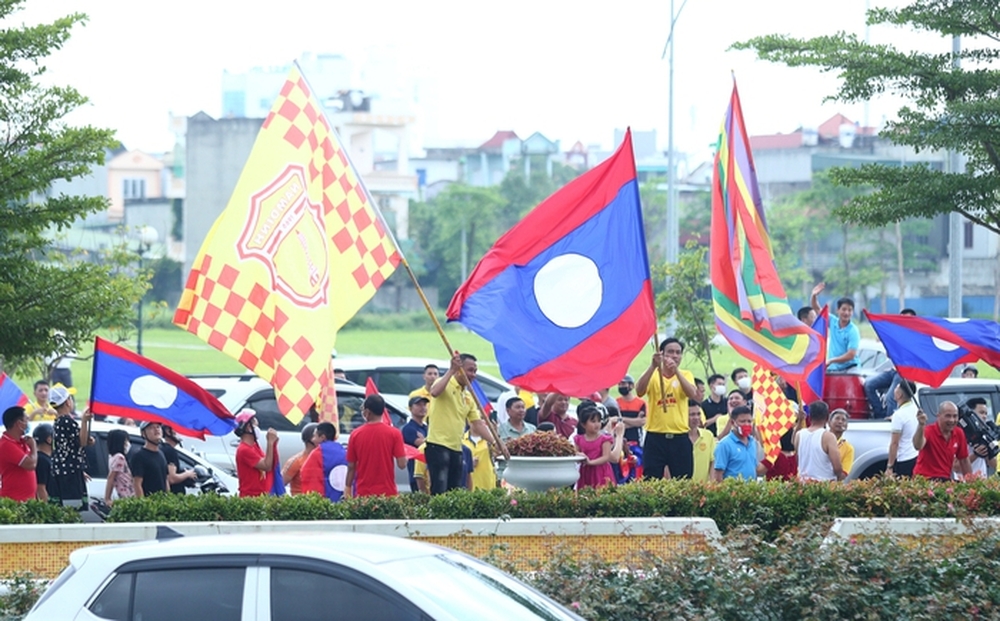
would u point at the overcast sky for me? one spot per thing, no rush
(572, 70)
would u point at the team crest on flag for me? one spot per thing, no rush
(299, 249)
(285, 231)
(772, 411)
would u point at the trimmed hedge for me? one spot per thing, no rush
(770, 506)
(798, 576)
(35, 512)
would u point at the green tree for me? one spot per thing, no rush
(44, 289)
(950, 108)
(440, 225)
(686, 299)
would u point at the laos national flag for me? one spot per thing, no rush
(926, 349)
(325, 470)
(10, 394)
(565, 295)
(127, 384)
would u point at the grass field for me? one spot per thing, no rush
(187, 354)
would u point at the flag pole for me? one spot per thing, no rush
(420, 292)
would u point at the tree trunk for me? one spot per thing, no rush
(900, 273)
(882, 283)
(848, 287)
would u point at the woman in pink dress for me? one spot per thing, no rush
(599, 448)
(119, 474)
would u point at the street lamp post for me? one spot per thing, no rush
(147, 237)
(673, 217)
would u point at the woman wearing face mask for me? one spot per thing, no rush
(741, 377)
(119, 474)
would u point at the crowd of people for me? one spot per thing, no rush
(667, 424)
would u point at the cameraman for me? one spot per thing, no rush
(942, 446)
(982, 465)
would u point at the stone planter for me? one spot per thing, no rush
(540, 474)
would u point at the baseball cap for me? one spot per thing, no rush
(627, 380)
(58, 395)
(147, 423)
(417, 399)
(245, 416)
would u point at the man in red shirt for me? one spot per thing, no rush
(940, 445)
(370, 453)
(18, 457)
(254, 467)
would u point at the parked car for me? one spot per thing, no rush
(238, 392)
(398, 377)
(870, 438)
(278, 577)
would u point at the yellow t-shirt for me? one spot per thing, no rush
(483, 475)
(45, 412)
(447, 415)
(704, 452)
(421, 392)
(846, 455)
(675, 418)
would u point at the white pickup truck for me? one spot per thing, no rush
(870, 438)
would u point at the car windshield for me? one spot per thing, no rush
(471, 589)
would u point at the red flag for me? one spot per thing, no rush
(372, 389)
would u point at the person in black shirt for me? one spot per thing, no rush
(715, 405)
(43, 435)
(149, 467)
(178, 478)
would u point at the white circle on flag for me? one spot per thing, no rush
(943, 345)
(569, 290)
(151, 391)
(338, 477)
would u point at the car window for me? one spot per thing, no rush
(167, 594)
(349, 408)
(491, 389)
(214, 593)
(301, 595)
(114, 600)
(931, 399)
(360, 377)
(268, 414)
(399, 381)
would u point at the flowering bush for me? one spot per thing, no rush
(541, 444)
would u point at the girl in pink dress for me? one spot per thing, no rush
(119, 474)
(599, 448)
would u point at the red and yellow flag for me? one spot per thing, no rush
(773, 412)
(297, 252)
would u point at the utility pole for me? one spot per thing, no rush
(956, 241)
(673, 217)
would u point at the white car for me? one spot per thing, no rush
(279, 577)
(238, 392)
(398, 377)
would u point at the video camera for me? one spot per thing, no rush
(977, 431)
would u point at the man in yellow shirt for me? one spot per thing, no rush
(431, 373)
(452, 407)
(838, 425)
(484, 476)
(39, 409)
(702, 444)
(669, 388)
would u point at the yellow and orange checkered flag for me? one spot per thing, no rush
(773, 412)
(297, 252)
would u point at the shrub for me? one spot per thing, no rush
(771, 507)
(541, 444)
(35, 512)
(797, 576)
(20, 591)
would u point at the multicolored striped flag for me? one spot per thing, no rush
(299, 249)
(773, 412)
(751, 308)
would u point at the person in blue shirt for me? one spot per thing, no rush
(842, 346)
(415, 431)
(736, 452)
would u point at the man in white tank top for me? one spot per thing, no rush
(816, 447)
